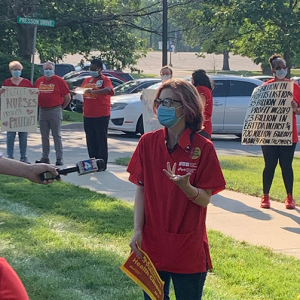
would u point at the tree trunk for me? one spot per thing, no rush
(25, 40)
(225, 61)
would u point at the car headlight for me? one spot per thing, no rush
(118, 106)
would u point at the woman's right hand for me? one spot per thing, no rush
(136, 240)
(2, 90)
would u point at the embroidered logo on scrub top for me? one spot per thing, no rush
(185, 166)
(99, 83)
(195, 153)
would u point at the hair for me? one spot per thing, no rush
(166, 67)
(201, 79)
(274, 59)
(49, 63)
(192, 103)
(97, 62)
(15, 63)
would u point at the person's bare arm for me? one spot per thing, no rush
(67, 99)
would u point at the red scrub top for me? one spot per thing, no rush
(11, 286)
(208, 109)
(24, 83)
(296, 97)
(174, 233)
(95, 106)
(51, 92)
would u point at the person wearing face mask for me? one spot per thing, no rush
(54, 96)
(166, 73)
(284, 154)
(176, 171)
(15, 68)
(96, 110)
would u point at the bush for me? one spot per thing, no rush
(5, 59)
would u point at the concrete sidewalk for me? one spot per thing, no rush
(232, 213)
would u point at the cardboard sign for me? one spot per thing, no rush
(269, 117)
(144, 274)
(150, 120)
(19, 107)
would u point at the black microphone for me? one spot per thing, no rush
(82, 167)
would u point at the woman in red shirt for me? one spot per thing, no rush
(16, 80)
(203, 85)
(284, 154)
(176, 171)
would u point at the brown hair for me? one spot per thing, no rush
(192, 102)
(274, 58)
(166, 67)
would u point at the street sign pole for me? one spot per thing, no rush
(33, 53)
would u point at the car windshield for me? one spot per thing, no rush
(126, 87)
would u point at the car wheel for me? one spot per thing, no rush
(140, 126)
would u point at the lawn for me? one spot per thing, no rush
(68, 242)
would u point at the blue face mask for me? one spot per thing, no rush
(94, 73)
(16, 73)
(48, 73)
(280, 74)
(166, 116)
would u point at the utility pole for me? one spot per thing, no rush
(165, 34)
(34, 14)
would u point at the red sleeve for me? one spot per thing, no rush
(64, 88)
(107, 83)
(84, 82)
(296, 93)
(11, 286)
(37, 83)
(7, 82)
(209, 173)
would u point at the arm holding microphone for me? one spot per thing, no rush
(20, 169)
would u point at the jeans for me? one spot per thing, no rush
(186, 286)
(10, 141)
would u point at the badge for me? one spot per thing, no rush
(195, 153)
(99, 83)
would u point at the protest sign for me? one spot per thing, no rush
(144, 274)
(149, 119)
(19, 109)
(269, 117)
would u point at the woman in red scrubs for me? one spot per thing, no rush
(176, 171)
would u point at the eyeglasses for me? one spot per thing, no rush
(279, 68)
(167, 102)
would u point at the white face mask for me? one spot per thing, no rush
(165, 78)
(280, 74)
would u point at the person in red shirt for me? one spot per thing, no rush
(96, 110)
(284, 154)
(176, 171)
(54, 96)
(203, 85)
(15, 68)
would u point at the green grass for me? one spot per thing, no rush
(67, 243)
(244, 174)
(70, 117)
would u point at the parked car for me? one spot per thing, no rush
(231, 96)
(263, 77)
(135, 86)
(77, 99)
(296, 79)
(60, 69)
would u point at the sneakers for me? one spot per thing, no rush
(265, 201)
(59, 162)
(289, 202)
(43, 160)
(25, 160)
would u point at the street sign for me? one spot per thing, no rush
(39, 22)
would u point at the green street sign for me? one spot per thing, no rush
(31, 21)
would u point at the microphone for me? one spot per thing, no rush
(82, 167)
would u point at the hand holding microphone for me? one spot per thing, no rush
(82, 167)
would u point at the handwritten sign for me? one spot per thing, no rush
(144, 274)
(269, 117)
(19, 109)
(150, 120)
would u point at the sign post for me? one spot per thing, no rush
(36, 23)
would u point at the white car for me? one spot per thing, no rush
(231, 95)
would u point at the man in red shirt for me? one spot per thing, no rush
(54, 96)
(96, 110)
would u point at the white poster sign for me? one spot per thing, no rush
(150, 120)
(19, 106)
(269, 117)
